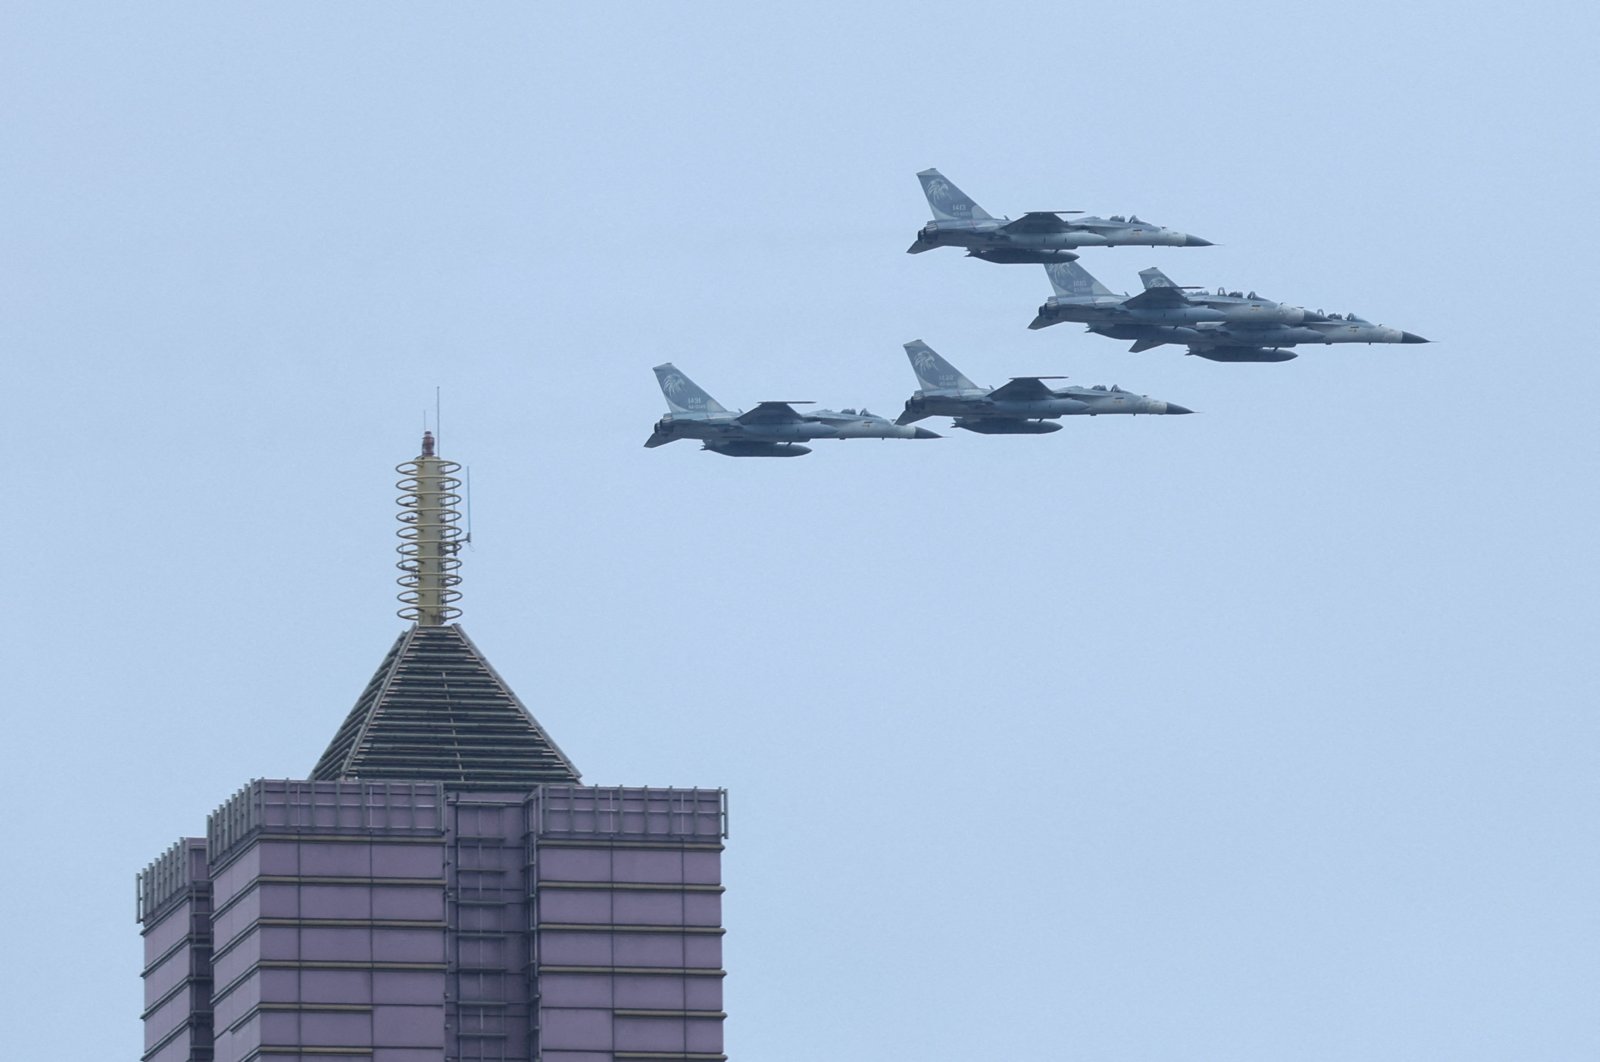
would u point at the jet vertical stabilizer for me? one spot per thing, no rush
(949, 203)
(1155, 278)
(1071, 279)
(933, 372)
(683, 394)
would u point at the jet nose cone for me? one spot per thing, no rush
(1173, 407)
(1411, 337)
(1195, 241)
(924, 433)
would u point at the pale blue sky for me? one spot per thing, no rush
(1265, 733)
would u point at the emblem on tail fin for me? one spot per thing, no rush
(949, 203)
(933, 372)
(682, 394)
(1070, 278)
(946, 200)
(1155, 278)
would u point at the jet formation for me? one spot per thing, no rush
(1220, 325)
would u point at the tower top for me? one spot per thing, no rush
(430, 537)
(435, 710)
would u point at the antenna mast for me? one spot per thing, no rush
(429, 537)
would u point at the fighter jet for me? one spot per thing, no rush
(771, 429)
(1221, 326)
(1025, 406)
(1037, 236)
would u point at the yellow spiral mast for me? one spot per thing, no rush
(429, 538)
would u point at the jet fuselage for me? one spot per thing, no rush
(984, 238)
(725, 434)
(1097, 309)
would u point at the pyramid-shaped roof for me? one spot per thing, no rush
(436, 711)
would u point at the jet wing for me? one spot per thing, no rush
(1041, 221)
(1024, 389)
(772, 413)
(657, 439)
(1157, 299)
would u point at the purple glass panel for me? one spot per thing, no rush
(171, 1014)
(409, 1026)
(702, 908)
(644, 865)
(702, 868)
(335, 901)
(279, 986)
(702, 949)
(558, 948)
(317, 1027)
(167, 974)
(575, 990)
(172, 927)
(409, 1054)
(237, 919)
(573, 1029)
(421, 903)
(335, 986)
(408, 986)
(649, 908)
(273, 900)
(575, 1056)
(649, 949)
(650, 1034)
(574, 864)
(176, 1051)
(702, 993)
(238, 959)
(335, 943)
(239, 873)
(575, 905)
(643, 992)
(408, 945)
(346, 859)
(704, 1035)
(276, 858)
(407, 861)
(240, 1000)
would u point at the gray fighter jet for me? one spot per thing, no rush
(1221, 326)
(1025, 406)
(1037, 236)
(771, 429)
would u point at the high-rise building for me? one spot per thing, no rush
(442, 888)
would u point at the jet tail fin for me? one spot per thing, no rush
(1155, 278)
(949, 203)
(683, 394)
(1071, 279)
(1142, 345)
(933, 372)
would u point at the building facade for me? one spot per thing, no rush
(441, 889)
